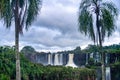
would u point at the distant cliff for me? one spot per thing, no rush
(50, 59)
(34, 56)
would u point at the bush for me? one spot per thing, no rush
(91, 61)
(33, 71)
(4, 77)
(115, 71)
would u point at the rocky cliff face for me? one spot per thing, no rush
(34, 56)
(29, 52)
(59, 58)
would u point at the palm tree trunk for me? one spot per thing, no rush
(100, 43)
(18, 73)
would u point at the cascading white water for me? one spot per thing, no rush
(108, 74)
(56, 60)
(91, 55)
(49, 59)
(60, 59)
(70, 61)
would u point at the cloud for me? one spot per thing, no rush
(48, 39)
(6, 35)
(118, 23)
(55, 29)
(57, 16)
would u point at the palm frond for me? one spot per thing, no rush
(108, 22)
(7, 13)
(111, 7)
(85, 19)
(83, 22)
(28, 10)
(32, 12)
(91, 31)
(84, 4)
(86, 24)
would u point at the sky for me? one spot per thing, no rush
(55, 29)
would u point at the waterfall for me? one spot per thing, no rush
(91, 55)
(49, 59)
(70, 61)
(107, 58)
(60, 59)
(86, 58)
(56, 60)
(108, 75)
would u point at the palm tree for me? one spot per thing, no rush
(20, 12)
(96, 20)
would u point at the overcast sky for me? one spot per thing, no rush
(55, 28)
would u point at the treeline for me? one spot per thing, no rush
(115, 48)
(113, 58)
(32, 71)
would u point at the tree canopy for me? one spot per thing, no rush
(88, 25)
(28, 11)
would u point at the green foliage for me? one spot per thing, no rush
(115, 48)
(28, 49)
(4, 77)
(32, 71)
(91, 61)
(77, 50)
(115, 71)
